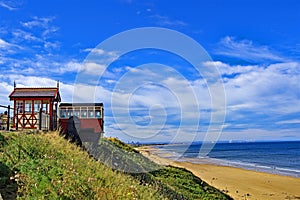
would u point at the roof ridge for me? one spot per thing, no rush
(36, 88)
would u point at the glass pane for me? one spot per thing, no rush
(91, 113)
(28, 106)
(20, 106)
(70, 113)
(37, 105)
(63, 113)
(83, 112)
(98, 113)
(44, 107)
(77, 113)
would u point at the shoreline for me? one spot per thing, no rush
(246, 166)
(237, 182)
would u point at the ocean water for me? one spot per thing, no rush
(272, 157)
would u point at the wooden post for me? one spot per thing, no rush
(15, 109)
(56, 113)
(17, 123)
(8, 117)
(51, 114)
(23, 115)
(40, 118)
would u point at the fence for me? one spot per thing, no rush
(8, 115)
(43, 119)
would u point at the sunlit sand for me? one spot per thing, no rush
(236, 182)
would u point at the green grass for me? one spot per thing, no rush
(186, 184)
(171, 182)
(45, 166)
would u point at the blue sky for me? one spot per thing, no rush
(254, 44)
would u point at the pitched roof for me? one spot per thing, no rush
(35, 92)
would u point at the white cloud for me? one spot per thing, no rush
(91, 68)
(71, 66)
(41, 65)
(95, 51)
(10, 5)
(4, 44)
(32, 81)
(24, 35)
(41, 29)
(162, 20)
(161, 93)
(51, 45)
(8, 48)
(38, 22)
(90, 93)
(101, 56)
(292, 121)
(49, 32)
(110, 81)
(254, 134)
(5, 90)
(36, 43)
(168, 133)
(6, 85)
(227, 69)
(270, 91)
(66, 89)
(246, 49)
(152, 95)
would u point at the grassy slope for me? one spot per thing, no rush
(171, 182)
(47, 166)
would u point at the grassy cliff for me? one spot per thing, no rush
(45, 166)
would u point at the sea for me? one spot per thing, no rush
(271, 157)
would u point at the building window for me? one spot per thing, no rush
(70, 112)
(28, 106)
(91, 113)
(98, 113)
(77, 113)
(45, 107)
(83, 112)
(20, 106)
(37, 106)
(63, 113)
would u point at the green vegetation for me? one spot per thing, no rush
(186, 184)
(45, 166)
(171, 182)
(120, 156)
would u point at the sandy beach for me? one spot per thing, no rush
(236, 182)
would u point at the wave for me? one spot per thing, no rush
(166, 153)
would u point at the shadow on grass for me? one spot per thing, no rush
(171, 182)
(8, 186)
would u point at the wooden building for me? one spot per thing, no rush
(90, 116)
(33, 104)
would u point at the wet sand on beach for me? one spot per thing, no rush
(236, 182)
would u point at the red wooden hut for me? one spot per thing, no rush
(90, 116)
(28, 102)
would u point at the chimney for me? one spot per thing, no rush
(14, 84)
(57, 84)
